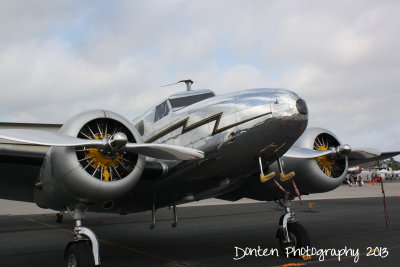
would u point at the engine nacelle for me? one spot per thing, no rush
(316, 175)
(81, 174)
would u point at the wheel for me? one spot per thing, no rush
(298, 236)
(79, 254)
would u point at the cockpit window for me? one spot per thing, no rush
(162, 110)
(181, 102)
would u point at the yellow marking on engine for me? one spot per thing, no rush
(99, 160)
(324, 162)
(106, 175)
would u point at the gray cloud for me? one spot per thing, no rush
(60, 58)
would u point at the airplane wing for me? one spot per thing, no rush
(355, 157)
(384, 155)
(19, 170)
(26, 157)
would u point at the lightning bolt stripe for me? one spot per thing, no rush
(183, 123)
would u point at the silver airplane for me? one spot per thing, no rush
(193, 145)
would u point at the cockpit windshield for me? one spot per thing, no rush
(181, 100)
(162, 110)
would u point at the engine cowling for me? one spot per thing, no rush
(317, 175)
(71, 174)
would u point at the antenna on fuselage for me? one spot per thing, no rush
(187, 82)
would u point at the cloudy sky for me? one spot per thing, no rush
(59, 58)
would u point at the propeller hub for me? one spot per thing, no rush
(343, 150)
(118, 141)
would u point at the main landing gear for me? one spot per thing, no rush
(153, 214)
(290, 232)
(59, 216)
(84, 250)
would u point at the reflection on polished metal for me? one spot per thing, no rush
(118, 141)
(183, 124)
(217, 114)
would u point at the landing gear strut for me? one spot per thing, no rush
(59, 216)
(291, 233)
(84, 250)
(175, 222)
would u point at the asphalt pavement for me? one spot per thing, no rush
(216, 235)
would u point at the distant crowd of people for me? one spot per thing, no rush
(357, 180)
(354, 180)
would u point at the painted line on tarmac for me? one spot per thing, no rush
(107, 242)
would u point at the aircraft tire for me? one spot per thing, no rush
(298, 236)
(79, 254)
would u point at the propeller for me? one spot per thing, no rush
(116, 142)
(329, 154)
(344, 150)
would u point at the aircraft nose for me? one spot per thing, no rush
(288, 104)
(290, 112)
(301, 106)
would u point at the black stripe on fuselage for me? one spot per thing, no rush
(185, 129)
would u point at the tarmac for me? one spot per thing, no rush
(212, 233)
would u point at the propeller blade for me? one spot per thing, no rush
(305, 153)
(364, 153)
(46, 138)
(163, 151)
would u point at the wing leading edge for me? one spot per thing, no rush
(355, 157)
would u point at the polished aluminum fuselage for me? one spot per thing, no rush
(233, 130)
(235, 113)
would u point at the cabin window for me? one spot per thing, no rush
(162, 110)
(181, 102)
